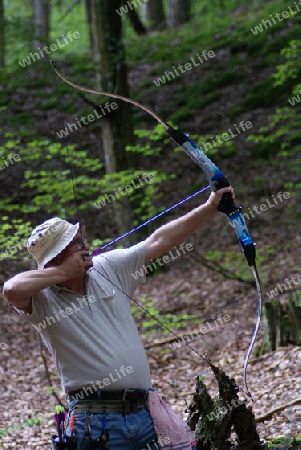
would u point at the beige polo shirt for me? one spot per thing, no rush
(93, 339)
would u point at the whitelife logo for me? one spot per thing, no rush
(268, 204)
(183, 68)
(269, 23)
(9, 160)
(219, 139)
(86, 120)
(33, 57)
(284, 286)
(108, 198)
(100, 384)
(203, 329)
(225, 409)
(150, 267)
(63, 313)
(295, 100)
(125, 9)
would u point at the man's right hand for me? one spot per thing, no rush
(74, 265)
(18, 291)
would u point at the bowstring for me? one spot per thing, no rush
(204, 357)
(66, 143)
(99, 250)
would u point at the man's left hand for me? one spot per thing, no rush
(215, 197)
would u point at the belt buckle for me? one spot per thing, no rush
(125, 392)
(126, 407)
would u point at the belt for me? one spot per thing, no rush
(125, 394)
(123, 407)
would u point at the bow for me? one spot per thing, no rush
(217, 180)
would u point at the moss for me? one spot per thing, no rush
(285, 442)
(265, 94)
(22, 119)
(182, 114)
(234, 112)
(228, 77)
(275, 44)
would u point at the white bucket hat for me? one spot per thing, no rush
(50, 238)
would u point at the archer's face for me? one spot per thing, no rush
(78, 244)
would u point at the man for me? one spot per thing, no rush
(81, 308)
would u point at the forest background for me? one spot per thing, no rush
(228, 73)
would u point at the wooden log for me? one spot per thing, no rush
(212, 420)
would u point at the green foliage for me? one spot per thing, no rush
(235, 261)
(13, 237)
(46, 178)
(291, 66)
(215, 145)
(31, 422)
(49, 164)
(150, 325)
(46, 171)
(136, 187)
(282, 136)
(266, 93)
(228, 76)
(232, 261)
(284, 442)
(157, 134)
(19, 32)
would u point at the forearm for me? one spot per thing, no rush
(24, 285)
(177, 231)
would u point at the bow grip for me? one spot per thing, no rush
(226, 205)
(237, 220)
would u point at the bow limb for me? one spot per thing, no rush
(108, 94)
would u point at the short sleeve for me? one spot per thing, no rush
(128, 264)
(38, 309)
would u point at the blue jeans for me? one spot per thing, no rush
(129, 432)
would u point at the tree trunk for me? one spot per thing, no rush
(41, 11)
(89, 22)
(282, 322)
(153, 14)
(135, 20)
(2, 35)
(111, 72)
(178, 12)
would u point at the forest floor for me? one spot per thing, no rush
(27, 404)
(186, 292)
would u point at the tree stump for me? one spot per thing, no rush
(212, 420)
(282, 322)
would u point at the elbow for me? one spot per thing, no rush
(10, 291)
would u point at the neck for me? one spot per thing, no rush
(76, 285)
